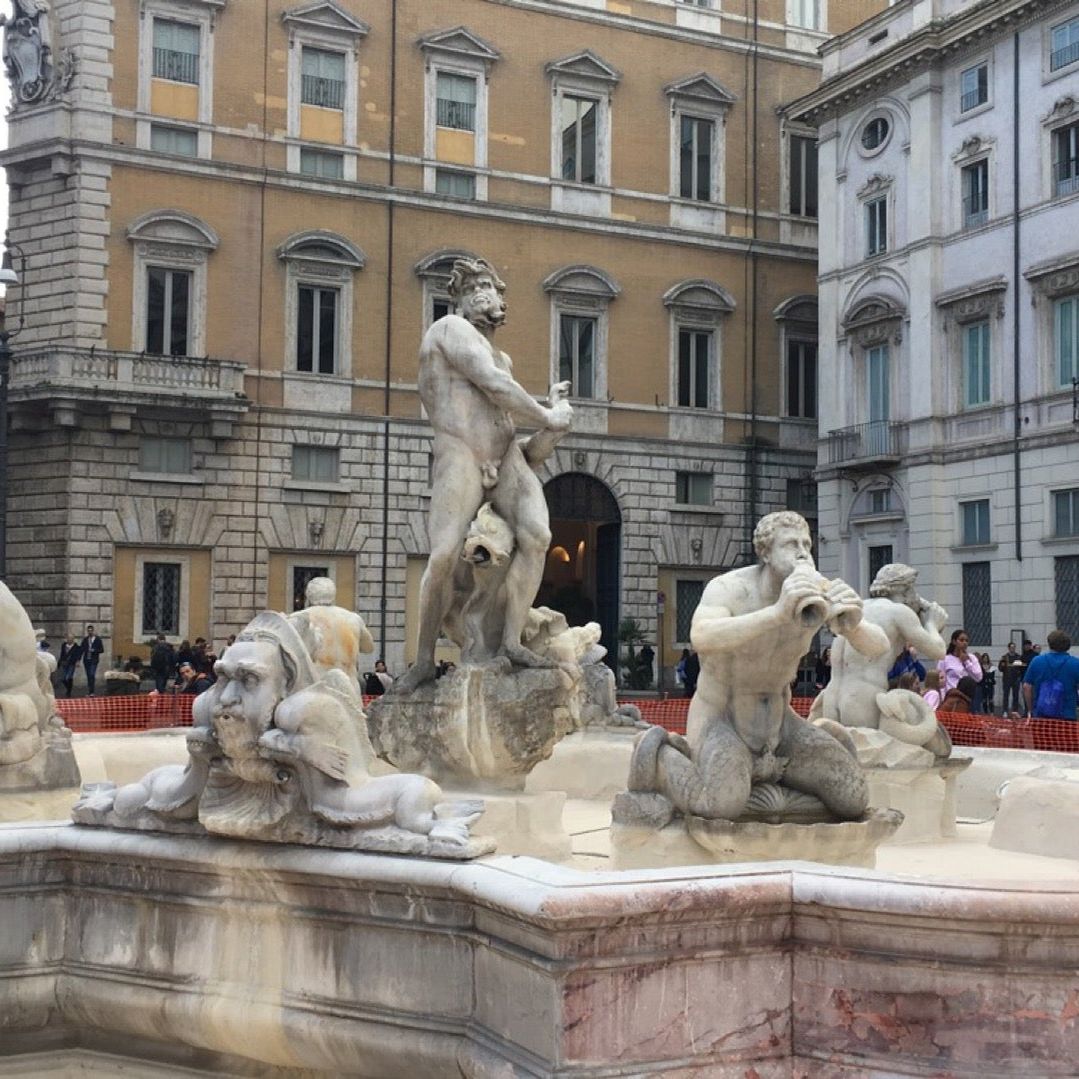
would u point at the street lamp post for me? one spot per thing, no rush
(7, 277)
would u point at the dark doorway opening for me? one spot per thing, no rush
(583, 571)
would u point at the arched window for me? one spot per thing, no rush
(580, 296)
(797, 318)
(697, 309)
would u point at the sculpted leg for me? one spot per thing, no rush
(717, 784)
(819, 765)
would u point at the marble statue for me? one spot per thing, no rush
(35, 746)
(279, 751)
(747, 755)
(336, 638)
(857, 694)
(483, 483)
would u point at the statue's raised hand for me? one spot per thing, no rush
(559, 391)
(559, 415)
(799, 596)
(844, 606)
(935, 616)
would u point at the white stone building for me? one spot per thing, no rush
(949, 307)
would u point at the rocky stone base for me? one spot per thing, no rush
(478, 728)
(1039, 814)
(697, 841)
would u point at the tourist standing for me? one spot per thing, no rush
(1049, 686)
(1011, 669)
(70, 653)
(162, 662)
(958, 663)
(989, 683)
(90, 650)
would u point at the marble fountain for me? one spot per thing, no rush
(501, 874)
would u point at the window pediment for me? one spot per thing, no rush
(877, 184)
(702, 91)
(458, 43)
(797, 309)
(321, 247)
(582, 284)
(1062, 108)
(875, 322)
(172, 227)
(700, 300)
(975, 302)
(585, 67)
(325, 17)
(975, 146)
(439, 264)
(1057, 277)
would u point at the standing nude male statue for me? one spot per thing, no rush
(750, 629)
(472, 399)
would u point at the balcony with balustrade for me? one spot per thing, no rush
(865, 446)
(67, 382)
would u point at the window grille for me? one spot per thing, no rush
(161, 598)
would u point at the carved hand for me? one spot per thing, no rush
(559, 416)
(559, 392)
(934, 616)
(845, 606)
(802, 584)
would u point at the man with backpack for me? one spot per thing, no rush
(162, 662)
(1049, 685)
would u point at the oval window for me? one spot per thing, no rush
(874, 133)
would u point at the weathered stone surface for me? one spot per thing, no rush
(246, 959)
(1039, 814)
(593, 764)
(481, 728)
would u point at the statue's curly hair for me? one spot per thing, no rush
(891, 578)
(770, 523)
(465, 270)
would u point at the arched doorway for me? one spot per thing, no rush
(583, 570)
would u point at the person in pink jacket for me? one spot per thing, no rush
(958, 662)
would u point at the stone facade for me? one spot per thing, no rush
(140, 177)
(957, 316)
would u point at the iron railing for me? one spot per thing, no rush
(1066, 54)
(975, 211)
(460, 115)
(866, 442)
(972, 99)
(318, 90)
(1066, 175)
(176, 66)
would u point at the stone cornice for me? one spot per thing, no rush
(917, 51)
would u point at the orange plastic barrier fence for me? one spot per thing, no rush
(147, 711)
(132, 712)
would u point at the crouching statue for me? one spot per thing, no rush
(279, 751)
(747, 756)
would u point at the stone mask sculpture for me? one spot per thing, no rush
(279, 751)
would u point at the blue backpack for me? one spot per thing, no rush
(1050, 701)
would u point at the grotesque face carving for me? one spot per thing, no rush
(481, 301)
(251, 683)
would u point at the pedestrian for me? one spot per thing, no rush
(1011, 669)
(824, 669)
(645, 658)
(70, 653)
(693, 672)
(91, 650)
(931, 693)
(989, 683)
(958, 663)
(960, 698)
(1049, 686)
(191, 681)
(680, 668)
(162, 662)
(384, 676)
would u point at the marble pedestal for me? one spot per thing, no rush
(696, 841)
(524, 823)
(926, 796)
(591, 764)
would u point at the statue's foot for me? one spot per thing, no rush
(453, 833)
(420, 672)
(520, 656)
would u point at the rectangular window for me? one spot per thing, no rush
(693, 488)
(176, 51)
(1066, 159)
(577, 354)
(975, 522)
(322, 78)
(879, 557)
(579, 139)
(1066, 579)
(174, 140)
(694, 365)
(976, 364)
(977, 605)
(1064, 45)
(168, 311)
(456, 95)
(316, 330)
(802, 497)
(973, 87)
(805, 13)
(695, 159)
(161, 598)
(461, 185)
(324, 163)
(165, 455)
(802, 379)
(687, 597)
(880, 501)
(803, 176)
(1066, 512)
(441, 306)
(876, 226)
(1066, 339)
(975, 194)
(302, 576)
(315, 464)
